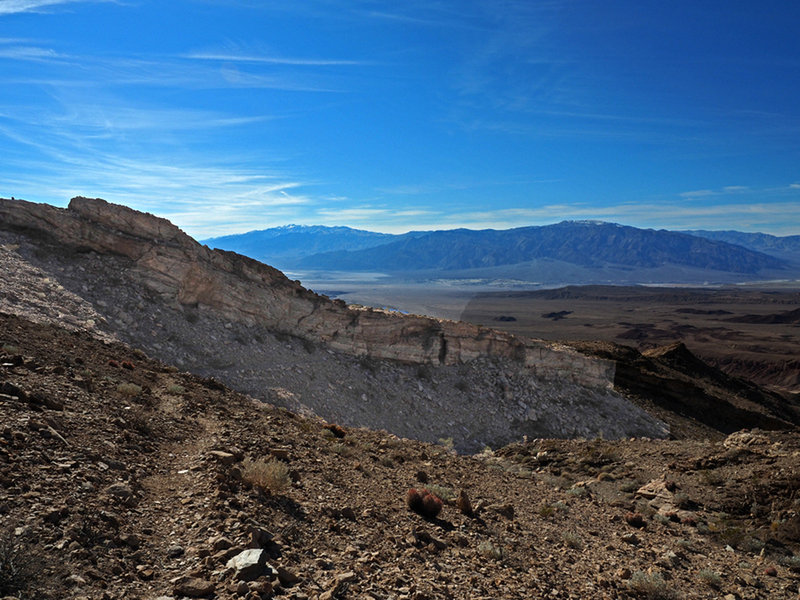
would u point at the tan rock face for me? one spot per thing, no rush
(183, 272)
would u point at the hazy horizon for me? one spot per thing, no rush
(596, 221)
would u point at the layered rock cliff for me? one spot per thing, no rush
(242, 290)
(137, 278)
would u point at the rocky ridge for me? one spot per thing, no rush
(186, 274)
(135, 277)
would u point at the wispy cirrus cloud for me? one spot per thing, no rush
(697, 193)
(8, 7)
(774, 217)
(272, 60)
(727, 190)
(204, 200)
(34, 53)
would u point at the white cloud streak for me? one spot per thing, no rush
(8, 7)
(271, 60)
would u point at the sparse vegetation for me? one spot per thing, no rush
(447, 494)
(270, 475)
(651, 586)
(490, 550)
(342, 449)
(579, 491)
(681, 500)
(129, 389)
(176, 389)
(791, 562)
(572, 540)
(546, 511)
(727, 533)
(709, 578)
(447, 443)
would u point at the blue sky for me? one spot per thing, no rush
(228, 116)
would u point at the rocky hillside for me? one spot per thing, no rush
(125, 478)
(132, 277)
(137, 278)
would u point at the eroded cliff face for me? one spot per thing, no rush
(183, 272)
(133, 277)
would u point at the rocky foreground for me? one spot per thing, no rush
(123, 477)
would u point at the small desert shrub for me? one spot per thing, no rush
(681, 500)
(572, 540)
(490, 550)
(663, 519)
(270, 475)
(599, 453)
(727, 534)
(445, 493)
(17, 570)
(629, 487)
(546, 511)
(10, 349)
(447, 443)
(129, 389)
(578, 491)
(342, 449)
(423, 502)
(753, 545)
(176, 389)
(709, 578)
(791, 562)
(651, 586)
(387, 462)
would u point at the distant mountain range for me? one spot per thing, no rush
(285, 245)
(576, 250)
(787, 247)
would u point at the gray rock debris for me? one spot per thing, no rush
(251, 564)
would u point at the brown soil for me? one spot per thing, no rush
(749, 333)
(120, 475)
